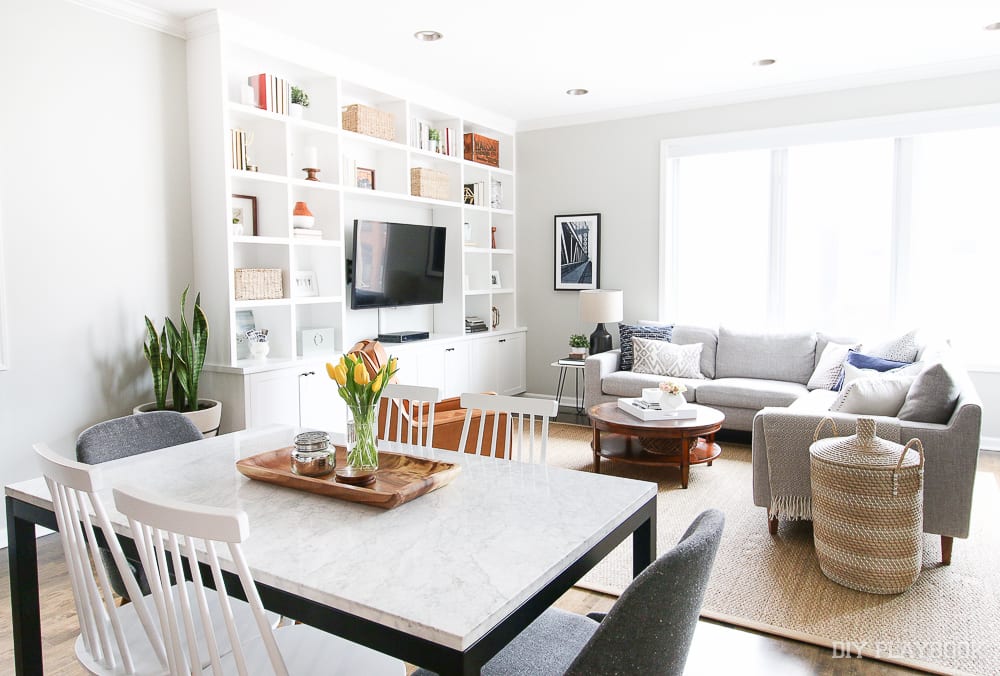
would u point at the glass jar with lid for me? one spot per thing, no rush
(313, 455)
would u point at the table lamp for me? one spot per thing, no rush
(601, 305)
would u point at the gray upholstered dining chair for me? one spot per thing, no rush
(125, 437)
(647, 631)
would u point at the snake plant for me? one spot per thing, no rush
(187, 354)
(156, 348)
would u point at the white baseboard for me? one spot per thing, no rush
(989, 443)
(40, 531)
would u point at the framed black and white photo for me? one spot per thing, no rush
(244, 215)
(304, 283)
(577, 252)
(495, 279)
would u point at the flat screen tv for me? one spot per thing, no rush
(397, 264)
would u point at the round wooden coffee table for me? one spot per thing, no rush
(621, 437)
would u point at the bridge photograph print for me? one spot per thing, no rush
(577, 247)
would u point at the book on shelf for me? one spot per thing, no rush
(646, 411)
(474, 193)
(238, 147)
(308, 233)
(565, 361)
(476, 329)
(271, 92)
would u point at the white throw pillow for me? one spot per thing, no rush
(852, 373)
(903, 348)
(874, 395)
(660, 358)
(827, 372)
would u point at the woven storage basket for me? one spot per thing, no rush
(428, 183)
(369, 121)
(867, 509)
(257, 283)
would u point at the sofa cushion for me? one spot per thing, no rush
(902, 348)
(630, 384)
(858, 365)
(883, 395)
(815, 401)
(823, 339)
(752, 393)
(709, 339)
(766, 356)
(626, 332)
(932, 397)
(666, 359)
(830, 366)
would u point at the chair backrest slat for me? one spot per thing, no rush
(176, 528)
(408, 402)
(79, 513)
(524, 409)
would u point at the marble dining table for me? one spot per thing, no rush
(444, 581)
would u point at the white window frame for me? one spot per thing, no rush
(4, 353)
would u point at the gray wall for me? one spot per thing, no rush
(95, 212)
(614, 168)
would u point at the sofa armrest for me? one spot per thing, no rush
(595, 368)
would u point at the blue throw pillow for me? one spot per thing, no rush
(866, 361)
(626, 332)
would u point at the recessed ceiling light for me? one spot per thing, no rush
(577, 92)
(764, 62)
(993, 27)
(427, 36)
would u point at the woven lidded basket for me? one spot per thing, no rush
(428, 183)
(257, 283)
(867, 508)
(369, 121)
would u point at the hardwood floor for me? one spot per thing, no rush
(717, 648)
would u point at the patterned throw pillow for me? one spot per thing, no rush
(666, 359)
(903, 348)
(831, 366)
(867, 362)
(627, 331)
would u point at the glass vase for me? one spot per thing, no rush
(362, 446)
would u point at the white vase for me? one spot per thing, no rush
(206, 418)
(669, 402)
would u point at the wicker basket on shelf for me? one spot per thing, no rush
(428, 183)
(257, 283)
(369, 121)
(867, 509)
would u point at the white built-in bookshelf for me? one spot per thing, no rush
(222, 54)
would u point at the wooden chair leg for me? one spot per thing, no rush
(772, 525)
(946, 543)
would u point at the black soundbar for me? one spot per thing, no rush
(403, 336)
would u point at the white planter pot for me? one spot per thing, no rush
(578, 350)
(668, 402)
(206, 418)
(296, 110)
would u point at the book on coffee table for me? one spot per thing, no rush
(646, 411)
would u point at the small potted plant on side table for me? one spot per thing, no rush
(578, 345)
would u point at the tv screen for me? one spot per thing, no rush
(397, 264)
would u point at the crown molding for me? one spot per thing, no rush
(885, 77)
(137, 14)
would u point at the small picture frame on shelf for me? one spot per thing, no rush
(495, 279)
(244, 323)
(364, 178)
(244, 216)
(577, 252)
(304, 283)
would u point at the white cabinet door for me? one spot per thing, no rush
(483, 365)
(274, 398)
(510, 356)
(455, 358)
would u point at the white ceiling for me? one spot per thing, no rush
(518, 57)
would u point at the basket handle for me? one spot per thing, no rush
(819, 428)
(912, 443)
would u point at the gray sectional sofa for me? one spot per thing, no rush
(759, 382)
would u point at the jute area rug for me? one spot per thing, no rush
(948, 622)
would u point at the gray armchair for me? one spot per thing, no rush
(123, 438)
(648, 630)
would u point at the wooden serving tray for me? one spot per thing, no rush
(400, 478)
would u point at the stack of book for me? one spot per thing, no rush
(308, 233)
(646, 411)
(238, 145)
(271, 92)
(475, 325)
(420, 137)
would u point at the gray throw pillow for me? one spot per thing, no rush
(932, 397)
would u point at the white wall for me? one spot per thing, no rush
(94, 205)
(614, 168)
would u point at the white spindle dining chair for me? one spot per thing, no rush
(521, 413)
(406, 425)
(165, 529)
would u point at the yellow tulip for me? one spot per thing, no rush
(361, 375)
(392, 365)
(329, 370)
(343, 362)
(377, 383)
(339, 373)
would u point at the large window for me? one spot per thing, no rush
(849, 236)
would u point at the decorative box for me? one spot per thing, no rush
(257, 283)
(482, 149)
(428, 183)
(316, 341)
(369, 121)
